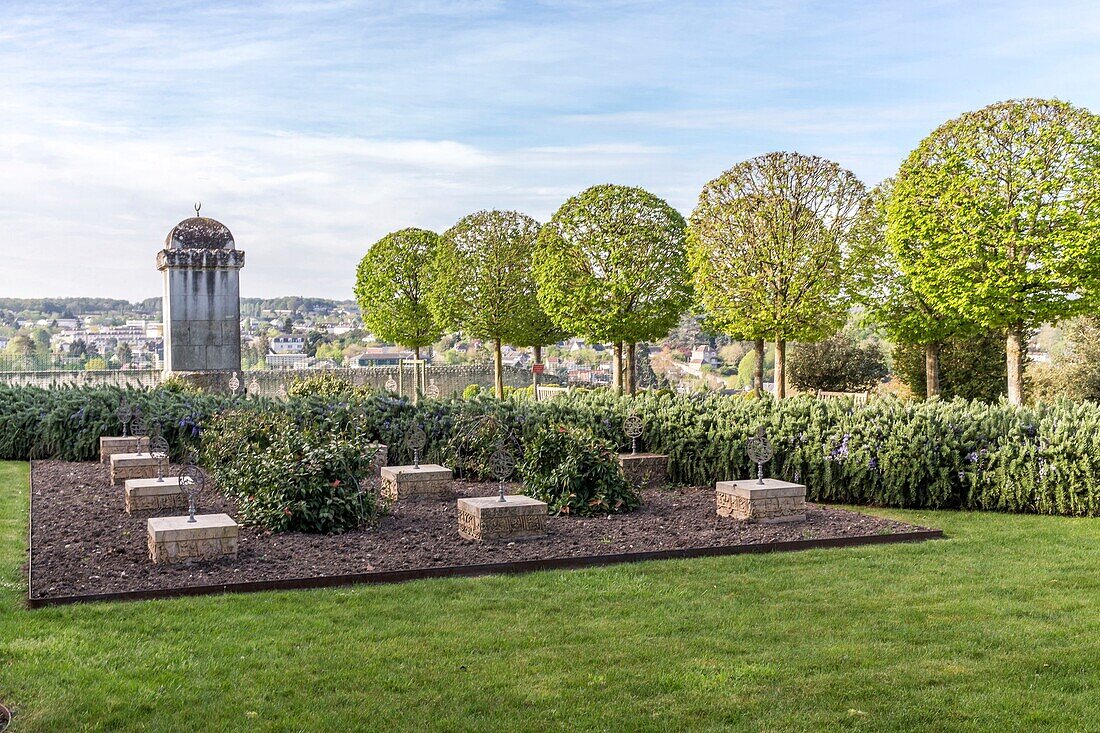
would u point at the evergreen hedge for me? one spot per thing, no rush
(971, 455)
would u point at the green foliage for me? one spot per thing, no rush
(971, 455)
(883, 288)
(972, 368)
(471, 391)
(289, 475)
(767, 247)
(994, 215)
(576, 473)
(325, 386)
(392, 284)
(840, 363)
(611, 265)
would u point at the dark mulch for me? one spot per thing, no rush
(83, 541)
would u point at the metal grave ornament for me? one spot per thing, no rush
(760, 451)
(391, 385)
(137, 425)
(192, 482)
(502, 463)
(282, 392)
(234, 383)
(254, 386)
(416, 440)
(125, 414)
(432, 391)
(633, 427)
(158, 448)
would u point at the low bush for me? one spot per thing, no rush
(575, 472)
(288, 475)
(943, 453)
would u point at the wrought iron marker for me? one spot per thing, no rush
(125, 414)
(192, 481)
(502, 463)
(234, 383)
(391, 385)
(633, 427)
(158, 448)
(137, 426)
(416, 440)
(254, 386)
(432, 391)
(760, 451)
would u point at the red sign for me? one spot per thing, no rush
(538, 368)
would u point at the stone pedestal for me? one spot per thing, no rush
(130, 444)
(774, 501)
(132, 465)
(489, 518)
(148, 494)
(430, 479)
(645, 470)
(174, 539)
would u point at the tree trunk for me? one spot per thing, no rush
(617, 367)
(498, 370)
(631, 369)
(932, 370)
(536, 355)
(780, 369)
(416, 353)
(758, 378)
(1014, 355)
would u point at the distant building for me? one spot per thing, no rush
(704, 355)
(287, 361)
(385, 356)
(288, 344)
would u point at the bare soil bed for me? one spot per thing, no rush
(83, 542)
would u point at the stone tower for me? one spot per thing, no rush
(202, 297)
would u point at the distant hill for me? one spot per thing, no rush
(72, 307)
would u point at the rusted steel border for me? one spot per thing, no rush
(459, 571)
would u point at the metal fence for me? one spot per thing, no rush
(448, 379)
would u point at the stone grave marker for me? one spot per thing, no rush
(642, 470)
(761, 500)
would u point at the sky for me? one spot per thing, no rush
(311, 128)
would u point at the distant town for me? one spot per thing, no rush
(293, 333)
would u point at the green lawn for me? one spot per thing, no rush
(996, 628)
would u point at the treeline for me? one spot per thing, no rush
(987, 230)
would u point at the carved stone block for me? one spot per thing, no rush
(130, 444)
(774, 501)
(174, 539)
(148, 494)
(489, 518)
(132, 465)
(645, 470)
(430, 479)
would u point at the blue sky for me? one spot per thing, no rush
(313, 128)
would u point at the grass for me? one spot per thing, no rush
(997, 628)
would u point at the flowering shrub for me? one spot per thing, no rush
(286, 476)
(575, 472)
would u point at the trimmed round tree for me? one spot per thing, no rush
(994, 216)
(483, 283)
(768, 248)
(611, 267)
(392, 286)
